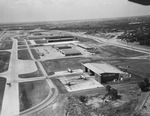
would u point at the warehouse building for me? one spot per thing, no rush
(103, 72)
(84, 46)
(59, 47)
(60, 39)
(70, 52)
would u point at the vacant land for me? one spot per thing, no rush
(95, 105)
(137, 66)
(86, 40)
(121, 52)
(32, 93)
(20, 38)
(6, 39)
(37, 73)
(21, 43)
(63, 64)
(6, 45)
(115, 52)
(22, 47)
(2, 88)
(35, 54)
(56, 109)
(59, 85)
(4, 61)
(24, 55)
(40, 41)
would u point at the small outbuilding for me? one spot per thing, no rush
(103, 72)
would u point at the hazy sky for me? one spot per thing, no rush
(51, 10)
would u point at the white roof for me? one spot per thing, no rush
(100, 68)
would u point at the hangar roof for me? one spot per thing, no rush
(100, 68)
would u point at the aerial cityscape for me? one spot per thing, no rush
(75, 67)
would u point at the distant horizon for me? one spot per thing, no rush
(56, 21)
(26, 11)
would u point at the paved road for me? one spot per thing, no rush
(10, 106)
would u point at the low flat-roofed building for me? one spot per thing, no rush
(84, 46)
(70, 52)
(62, 47)
(103, 72)
(59, 39)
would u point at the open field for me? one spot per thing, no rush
(32, 93)
(113, 51)
(6, 39)
(63, 64)
(6, 45)
(21, 43)
(56, 109)
(20, 38)
(40, 41)
(4, 61)
(26, 66)
(121, 52)
(137, 66)
(37, 73)
(95, 105)
(35, 54)
(2, 88)
(86, 40)
(22, 47)
(24, 55)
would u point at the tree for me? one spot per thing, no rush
(114, 94)
(83, 99)
(108, 88)
(142, 85)
(111, 92)
(146, 80)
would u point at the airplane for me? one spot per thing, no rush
(69, 84)
(142, 2)
(83, 77)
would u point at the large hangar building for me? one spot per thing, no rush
(103, 72)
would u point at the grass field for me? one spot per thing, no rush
(35, 54)
(6, 39)
(20, 38)
(59, 85)
(37, 73)
(24, 55)
(4, 61)
(40, 41)
(121, 52)
(113, 51)
(63, 64)
(32, 93)
(22, 47)
(21, 43)
(6, 45)
(87, 40)
(137, 66)
(2, 88)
